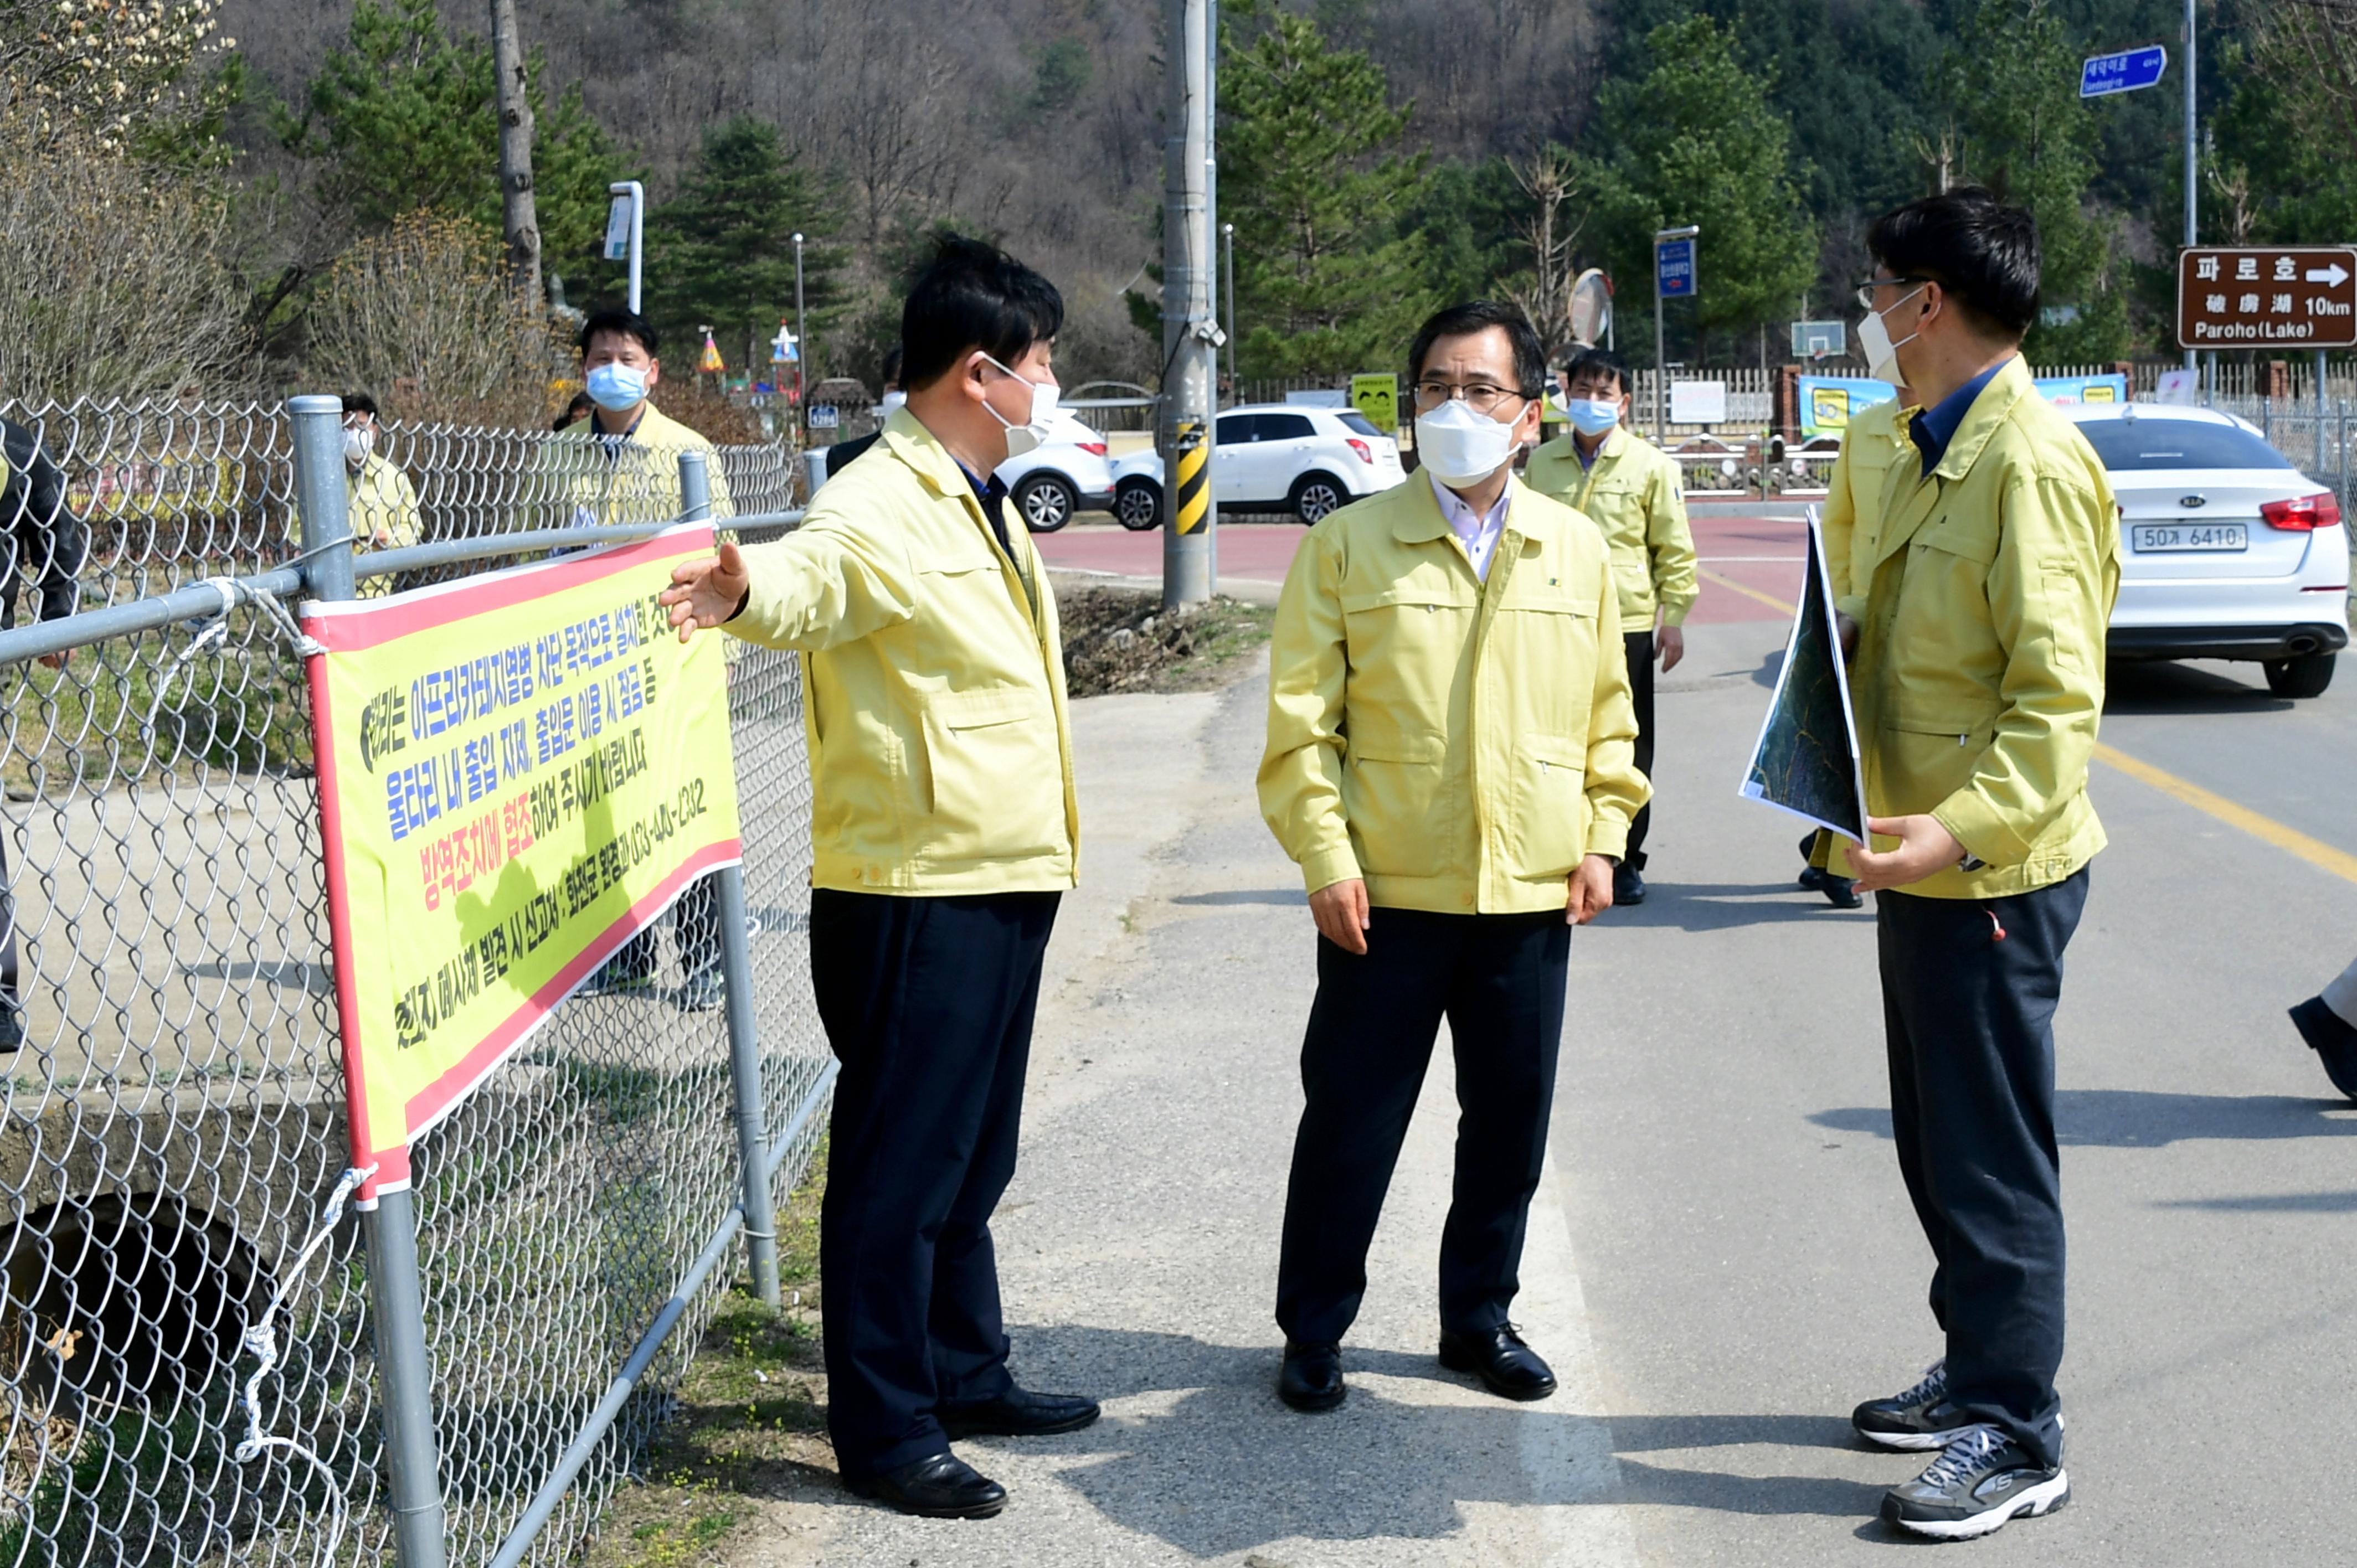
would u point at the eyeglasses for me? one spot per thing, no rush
(1480, 396)
(1866, 290)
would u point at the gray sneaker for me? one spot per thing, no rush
(1918, 1419)
(1979, 1483)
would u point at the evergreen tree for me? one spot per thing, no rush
(1694, 139)
(1328, 279)
(724, 247)
(2012, 82)
(402, 117)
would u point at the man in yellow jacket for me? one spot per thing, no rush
(945, 829)
(1978, 684)
(626, 468)
(1633, 493)
(1851, 523)
(1450, 759)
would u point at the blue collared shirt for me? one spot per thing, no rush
(1935, 426)
(992, 493)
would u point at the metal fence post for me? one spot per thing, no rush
(737, 978)
(404, 1376)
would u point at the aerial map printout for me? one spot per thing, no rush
(1806, 761)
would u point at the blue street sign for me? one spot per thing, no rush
(2123, 73)
(1674, 268)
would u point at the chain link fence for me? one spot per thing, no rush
(174, 1117)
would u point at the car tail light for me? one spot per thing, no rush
(1366, 453)
(2302, 514)
(1094, 449)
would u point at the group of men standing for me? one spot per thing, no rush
(1456, 755)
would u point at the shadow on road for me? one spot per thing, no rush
(1723, 906)
(2147, 1119)
(2272, 1203)
(2153, 686)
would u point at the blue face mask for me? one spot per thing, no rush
(616, 388)
(1593, 416)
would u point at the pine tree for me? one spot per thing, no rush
(402, 118)
(1695, 140)
(724, 247)
(1328, 280)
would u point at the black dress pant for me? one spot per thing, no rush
(1640, 697)
(928, 1001)
(1970, 1021)
(1498, 981)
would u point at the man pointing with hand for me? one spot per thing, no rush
(945, 829)
(1450, 759)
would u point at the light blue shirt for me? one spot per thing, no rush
(1477, 534)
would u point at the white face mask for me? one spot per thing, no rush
(1462, 447)
(357, 443)
(893, 400)
(1881, 353)
(1028, 435)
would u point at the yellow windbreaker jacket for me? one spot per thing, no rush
(1635, 496)
(597, 482)
(1979, 678)
(933, 678)
(1460, 745)
(1852, 520)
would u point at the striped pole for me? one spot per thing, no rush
(1190, 498)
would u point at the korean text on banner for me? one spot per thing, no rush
(517, 773)
(1829, 402)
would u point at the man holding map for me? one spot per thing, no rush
(944, 829)
(1978, 682)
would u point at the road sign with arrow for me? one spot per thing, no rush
(2267, 297)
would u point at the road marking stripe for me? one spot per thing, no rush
(1769, 599)
(2316, 852)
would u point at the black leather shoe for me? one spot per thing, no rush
(2332, 1040)
(1018, 1412)
(1311, 1378)
(943, 1487)
(1627, 887)
(1499, 1359)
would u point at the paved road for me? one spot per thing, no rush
(1722, 1261)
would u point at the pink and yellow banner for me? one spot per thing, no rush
(518, 772)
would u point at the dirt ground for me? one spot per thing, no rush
(1119, 639)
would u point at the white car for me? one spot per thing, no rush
(2226, 550)
(1066, 474)
(1272, 457)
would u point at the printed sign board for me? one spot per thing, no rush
(517, 774)
(826, 416)
(1829, 402)
(1377, 397)
(2267, 297)
(1697, 402)
(2112, 388)
(1674, 268)
(2124, 72)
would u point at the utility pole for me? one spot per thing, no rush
(801, 350)
(519, 211)
(1190, 328)
(2192, 147)
(1228, 243)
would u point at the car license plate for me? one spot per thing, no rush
(2151, 537)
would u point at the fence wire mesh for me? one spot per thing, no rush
(173, 1110)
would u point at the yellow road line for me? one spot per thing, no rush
(1771, 600)
(2316, 852)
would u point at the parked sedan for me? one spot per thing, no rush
(2227, 549)
(1066, 474)
(1274, 457)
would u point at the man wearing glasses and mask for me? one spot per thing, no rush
(1450, 759)
(1630, 490)
(1978, 682)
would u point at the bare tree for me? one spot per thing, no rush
(1550, 179)
(517, 206)
(114, 283)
